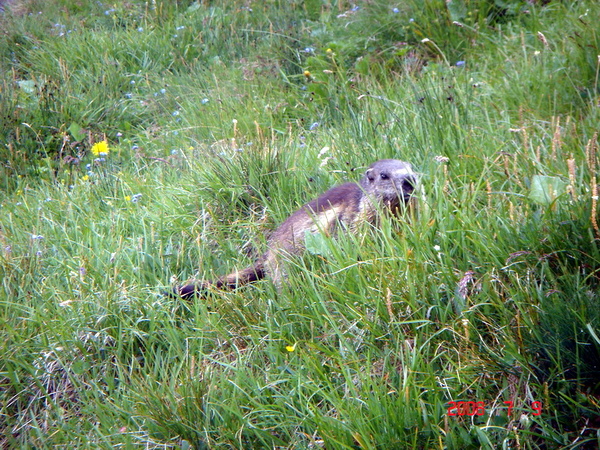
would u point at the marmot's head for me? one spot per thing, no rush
(390, 180)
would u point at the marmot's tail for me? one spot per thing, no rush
(231, 281)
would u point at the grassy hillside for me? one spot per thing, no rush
(146, 143)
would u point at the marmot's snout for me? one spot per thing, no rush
(407, 186)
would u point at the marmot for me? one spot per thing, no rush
(387, 185)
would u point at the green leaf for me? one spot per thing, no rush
(544, 190)
(317, 244)
(77, 131)
(28, 86)
(457, 10)
(194, 7)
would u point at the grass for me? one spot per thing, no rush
(221, 120)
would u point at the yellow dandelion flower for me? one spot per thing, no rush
(128, 197)
(291, 348)
(85, 178)
(100, 148)
(307, 74)
(329, 51)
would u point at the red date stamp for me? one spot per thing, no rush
(478, 408)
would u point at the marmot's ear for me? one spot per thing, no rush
(370, 175)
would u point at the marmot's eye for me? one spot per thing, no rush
(384, 176)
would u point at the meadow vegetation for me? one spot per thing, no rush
(144, 143)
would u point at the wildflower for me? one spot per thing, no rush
(395, 10)
(37, 237)
(140, 29)
(175, 113)
(127, 198)
(329, 51)
(100, 148)
(291, 348)
(163, 91)
(309, 50)
(204, 101)
(85, 178)
(302, 143)
(460, 63)
(173, 152)
(136, 198)
(313, 126)
(307, 74)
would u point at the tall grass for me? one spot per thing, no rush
(223, 118)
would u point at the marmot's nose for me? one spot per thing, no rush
(408, 184)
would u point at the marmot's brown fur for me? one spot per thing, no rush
(386, 186)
